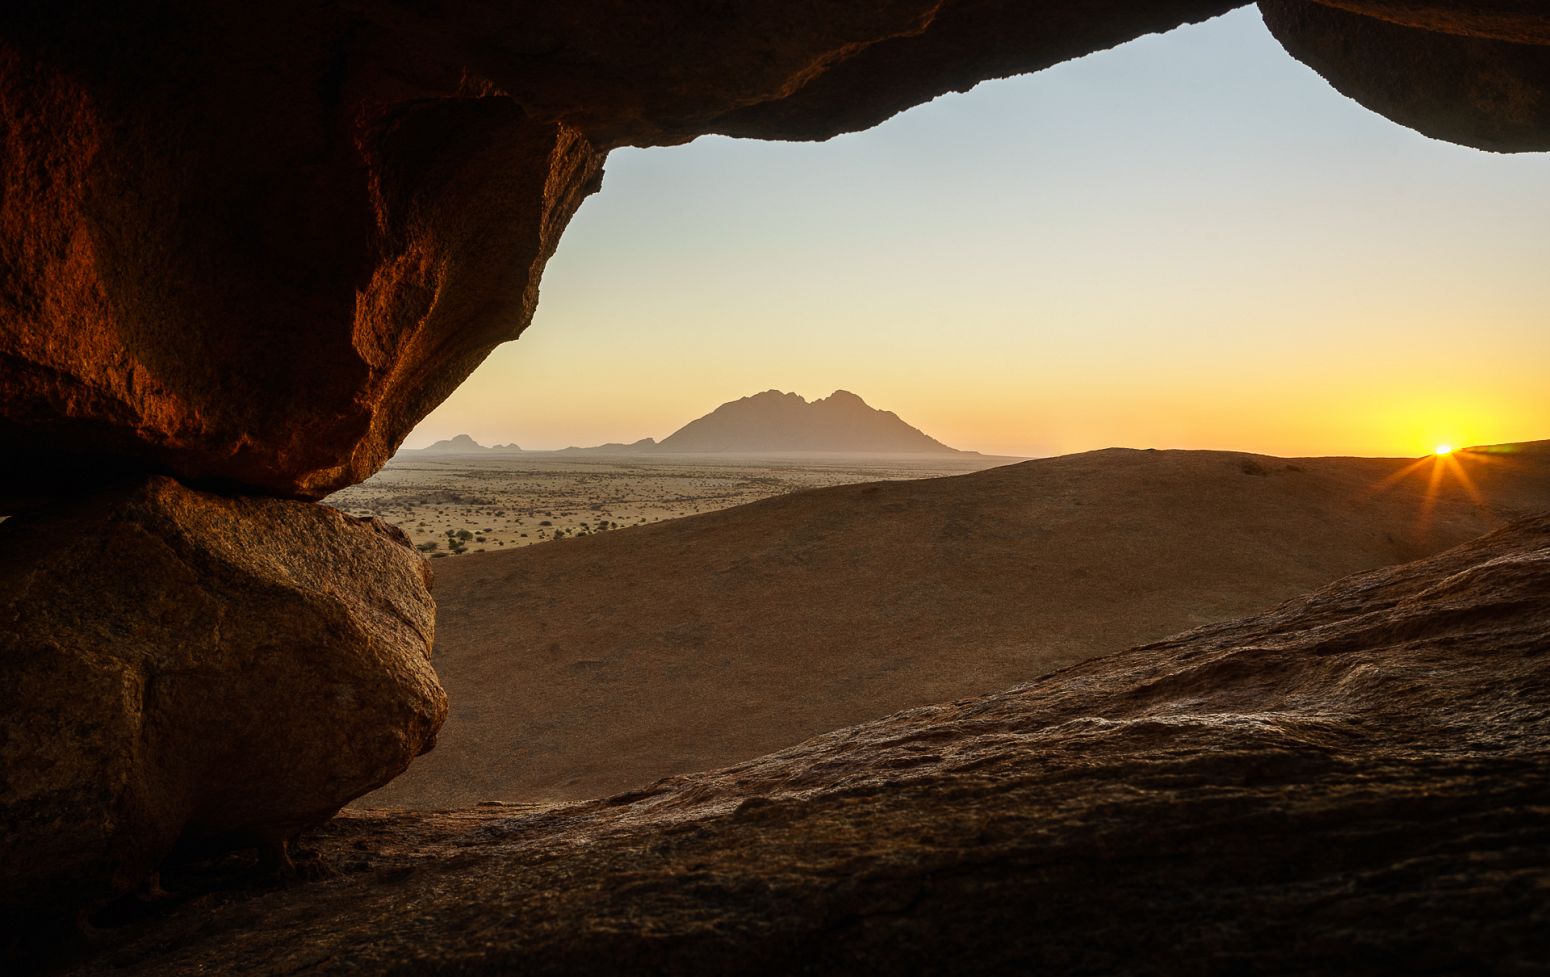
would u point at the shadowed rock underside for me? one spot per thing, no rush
(253, 245)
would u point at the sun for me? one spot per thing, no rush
(1443, 449)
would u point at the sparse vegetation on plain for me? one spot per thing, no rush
(438, 501)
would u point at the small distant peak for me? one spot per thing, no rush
(460, 443)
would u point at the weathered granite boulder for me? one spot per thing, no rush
(178, 666)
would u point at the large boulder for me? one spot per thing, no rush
(181, 667)
(222, 277)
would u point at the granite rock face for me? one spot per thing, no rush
(218, 271)
(181, 667)
(1356, 782)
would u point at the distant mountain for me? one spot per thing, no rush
(614, 448)
(762, 424)
(775, 421)
(462, 445)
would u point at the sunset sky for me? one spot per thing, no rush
(1190, 241)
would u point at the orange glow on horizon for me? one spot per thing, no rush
(1441, 468)
(1235, 285)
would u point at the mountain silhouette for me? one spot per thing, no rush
(463, 444)
(776, 421)
(767, 422)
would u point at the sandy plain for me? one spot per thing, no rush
(600, 664)
(512, 500)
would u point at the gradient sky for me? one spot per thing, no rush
(1190, 241)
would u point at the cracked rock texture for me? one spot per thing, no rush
(185, 668)
(1355, 782)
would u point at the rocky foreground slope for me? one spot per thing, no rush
(1355, 782)
(588, 666)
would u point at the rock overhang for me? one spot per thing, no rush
(252, 247)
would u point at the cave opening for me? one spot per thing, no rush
(1116, 710)
(1191, 241)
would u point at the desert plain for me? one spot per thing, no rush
(588, 666)
(515, 500)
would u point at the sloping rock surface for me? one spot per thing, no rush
(1357, 782)
(180, 667)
